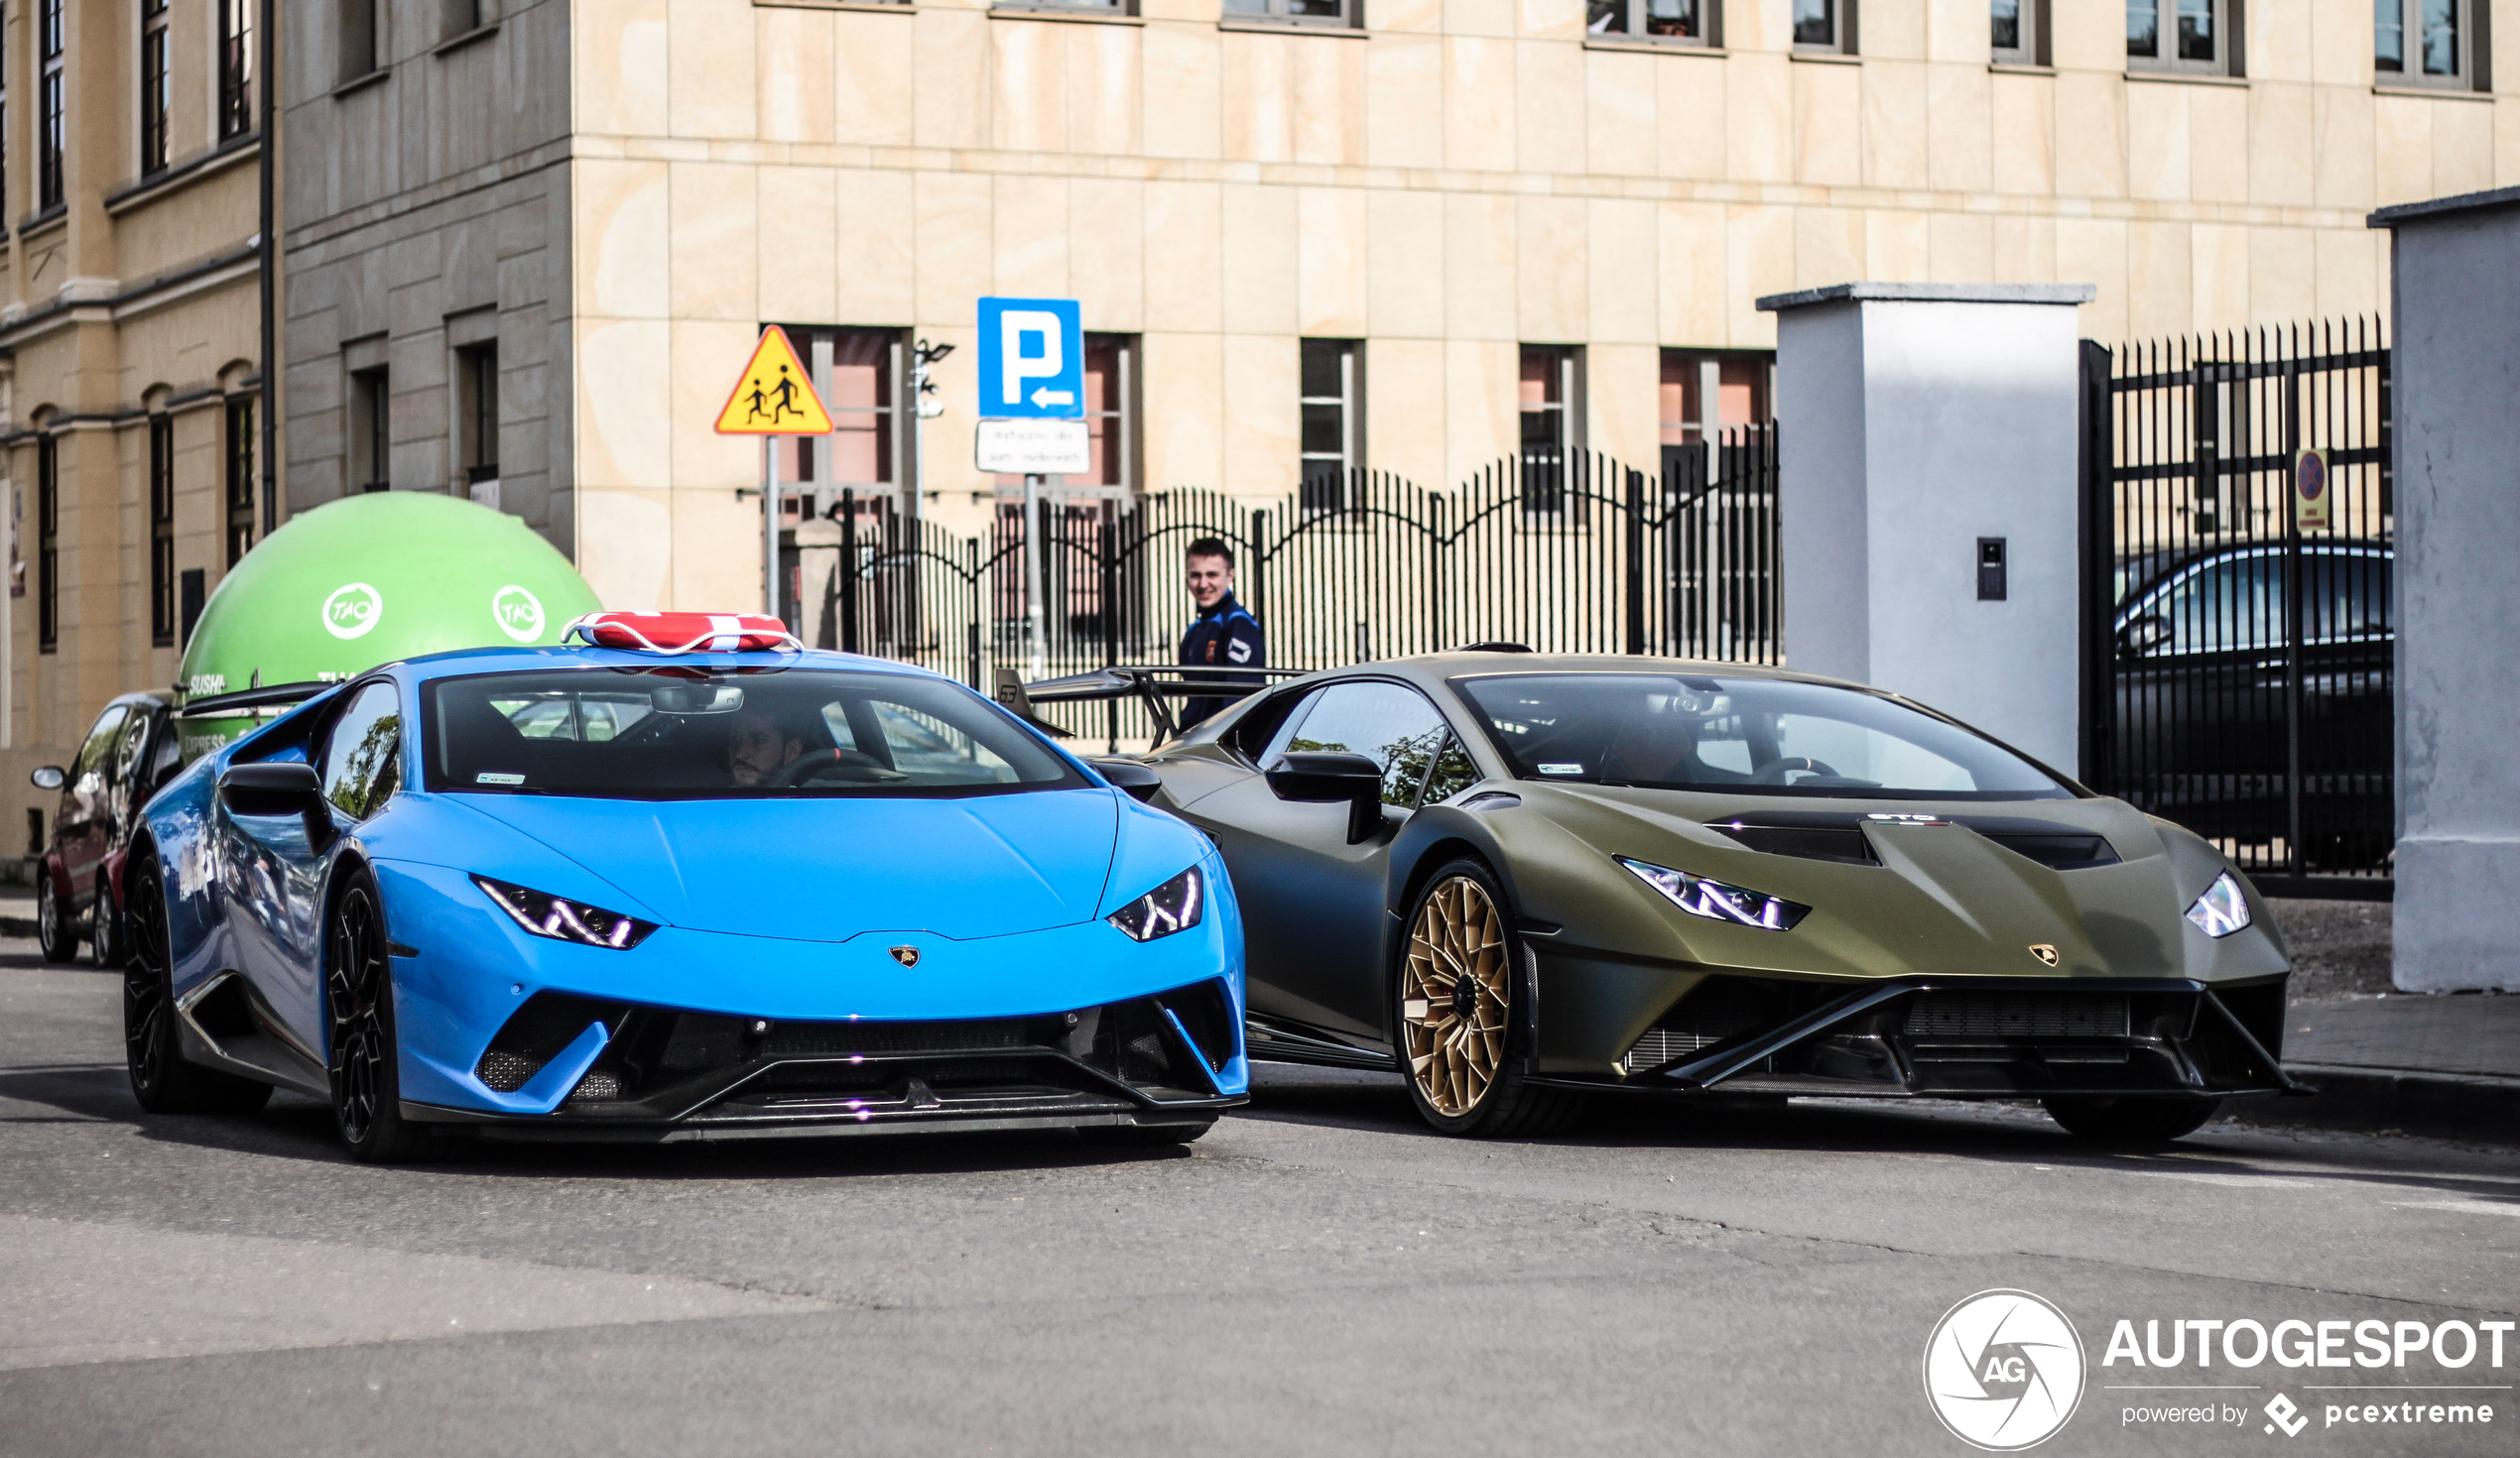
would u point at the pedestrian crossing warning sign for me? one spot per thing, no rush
(774, 396)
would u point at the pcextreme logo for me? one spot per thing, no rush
(2003, 1370)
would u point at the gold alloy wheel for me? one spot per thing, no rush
(1453, 996)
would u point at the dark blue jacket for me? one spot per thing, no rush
(1226, 635)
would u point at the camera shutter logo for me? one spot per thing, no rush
(353, 610)
(2003, 1370)
(518, 613)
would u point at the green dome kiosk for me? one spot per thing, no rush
(369, 579)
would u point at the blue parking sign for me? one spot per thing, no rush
(1031, 359)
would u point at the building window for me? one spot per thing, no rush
(235, 68)
(1093, 7)
(359, 38)
(161, 529)
(1675, 22)
(859, 374)
(53, 142)
(2183, 34)
(2425, 43)
(157, 85)
(1705, 393)
(1826, 26)
(462, 17)
(477, 413)
(1111, 411)
(371, 463)
(4, 115)
(1295, 12)
(2019, 34)
(1550, 395)
(241, 445)
(1333, 442)
(47, 543)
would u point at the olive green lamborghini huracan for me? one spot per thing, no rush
(1519, 878)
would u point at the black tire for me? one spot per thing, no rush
(52, 921)
(2132, 1120)
(153, 1054)
(108, 939)
(1456, 1015)
(1142, 1135)
(362, 1051)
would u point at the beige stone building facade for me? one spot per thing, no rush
(130, 347)
(528, 243)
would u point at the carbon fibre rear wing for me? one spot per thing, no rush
(1150, 684)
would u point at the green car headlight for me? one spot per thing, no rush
(1717, 901)
(2223, 909)
(1175, 905)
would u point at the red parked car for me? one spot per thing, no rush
(130, 752)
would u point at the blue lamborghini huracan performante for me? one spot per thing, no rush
(729, 887)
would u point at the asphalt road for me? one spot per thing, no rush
(1317, 1276)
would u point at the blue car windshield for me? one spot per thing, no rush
(1742, 736)
(691, 732)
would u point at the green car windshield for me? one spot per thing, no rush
(691, 733)
(1741, 736)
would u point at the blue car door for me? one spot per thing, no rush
(276, 868)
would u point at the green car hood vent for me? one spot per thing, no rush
(1838, 835)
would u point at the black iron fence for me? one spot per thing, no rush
(2237, 597)
(1570, 553)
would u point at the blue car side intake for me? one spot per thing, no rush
(845, 947)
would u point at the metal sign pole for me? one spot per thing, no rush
(1037, 665)
(770, 526)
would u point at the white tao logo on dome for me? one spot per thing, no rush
(518, 613)
(353, 610)
(2003, 1370)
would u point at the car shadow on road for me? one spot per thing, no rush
(1995, 1132)
(296, 1127)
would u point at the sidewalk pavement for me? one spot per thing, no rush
(2444, 1066)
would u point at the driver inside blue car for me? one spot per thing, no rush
(756, 748)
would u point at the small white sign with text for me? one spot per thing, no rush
(1034, 447)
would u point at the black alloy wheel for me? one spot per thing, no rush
(358, 996)
(106, 937)
(152, 1051)
(2133, 1120)
(1456, 1017)
(51, 921)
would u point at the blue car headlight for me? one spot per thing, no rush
(545, 914)
(2223, 909)
(1716, 900)
(1175, 905)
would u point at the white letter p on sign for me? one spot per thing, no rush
(1014, 367)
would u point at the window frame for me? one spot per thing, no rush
(162, 530)
(2229, 42)
(47, 539)
(236, 19)
(359, 37)
(1124, 9)
(1347, 15)
(1348, 401)
(1634, 16)
(1547, 497)
(2030, 28)
(157, 85)
(2470, 74)
(369, 452)
(1841, 24)
(53, 120)
(238, 453)
(478, 414)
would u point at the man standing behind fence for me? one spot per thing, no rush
(1225, 633)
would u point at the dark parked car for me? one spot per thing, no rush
(2203, 678)
(131, 751)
